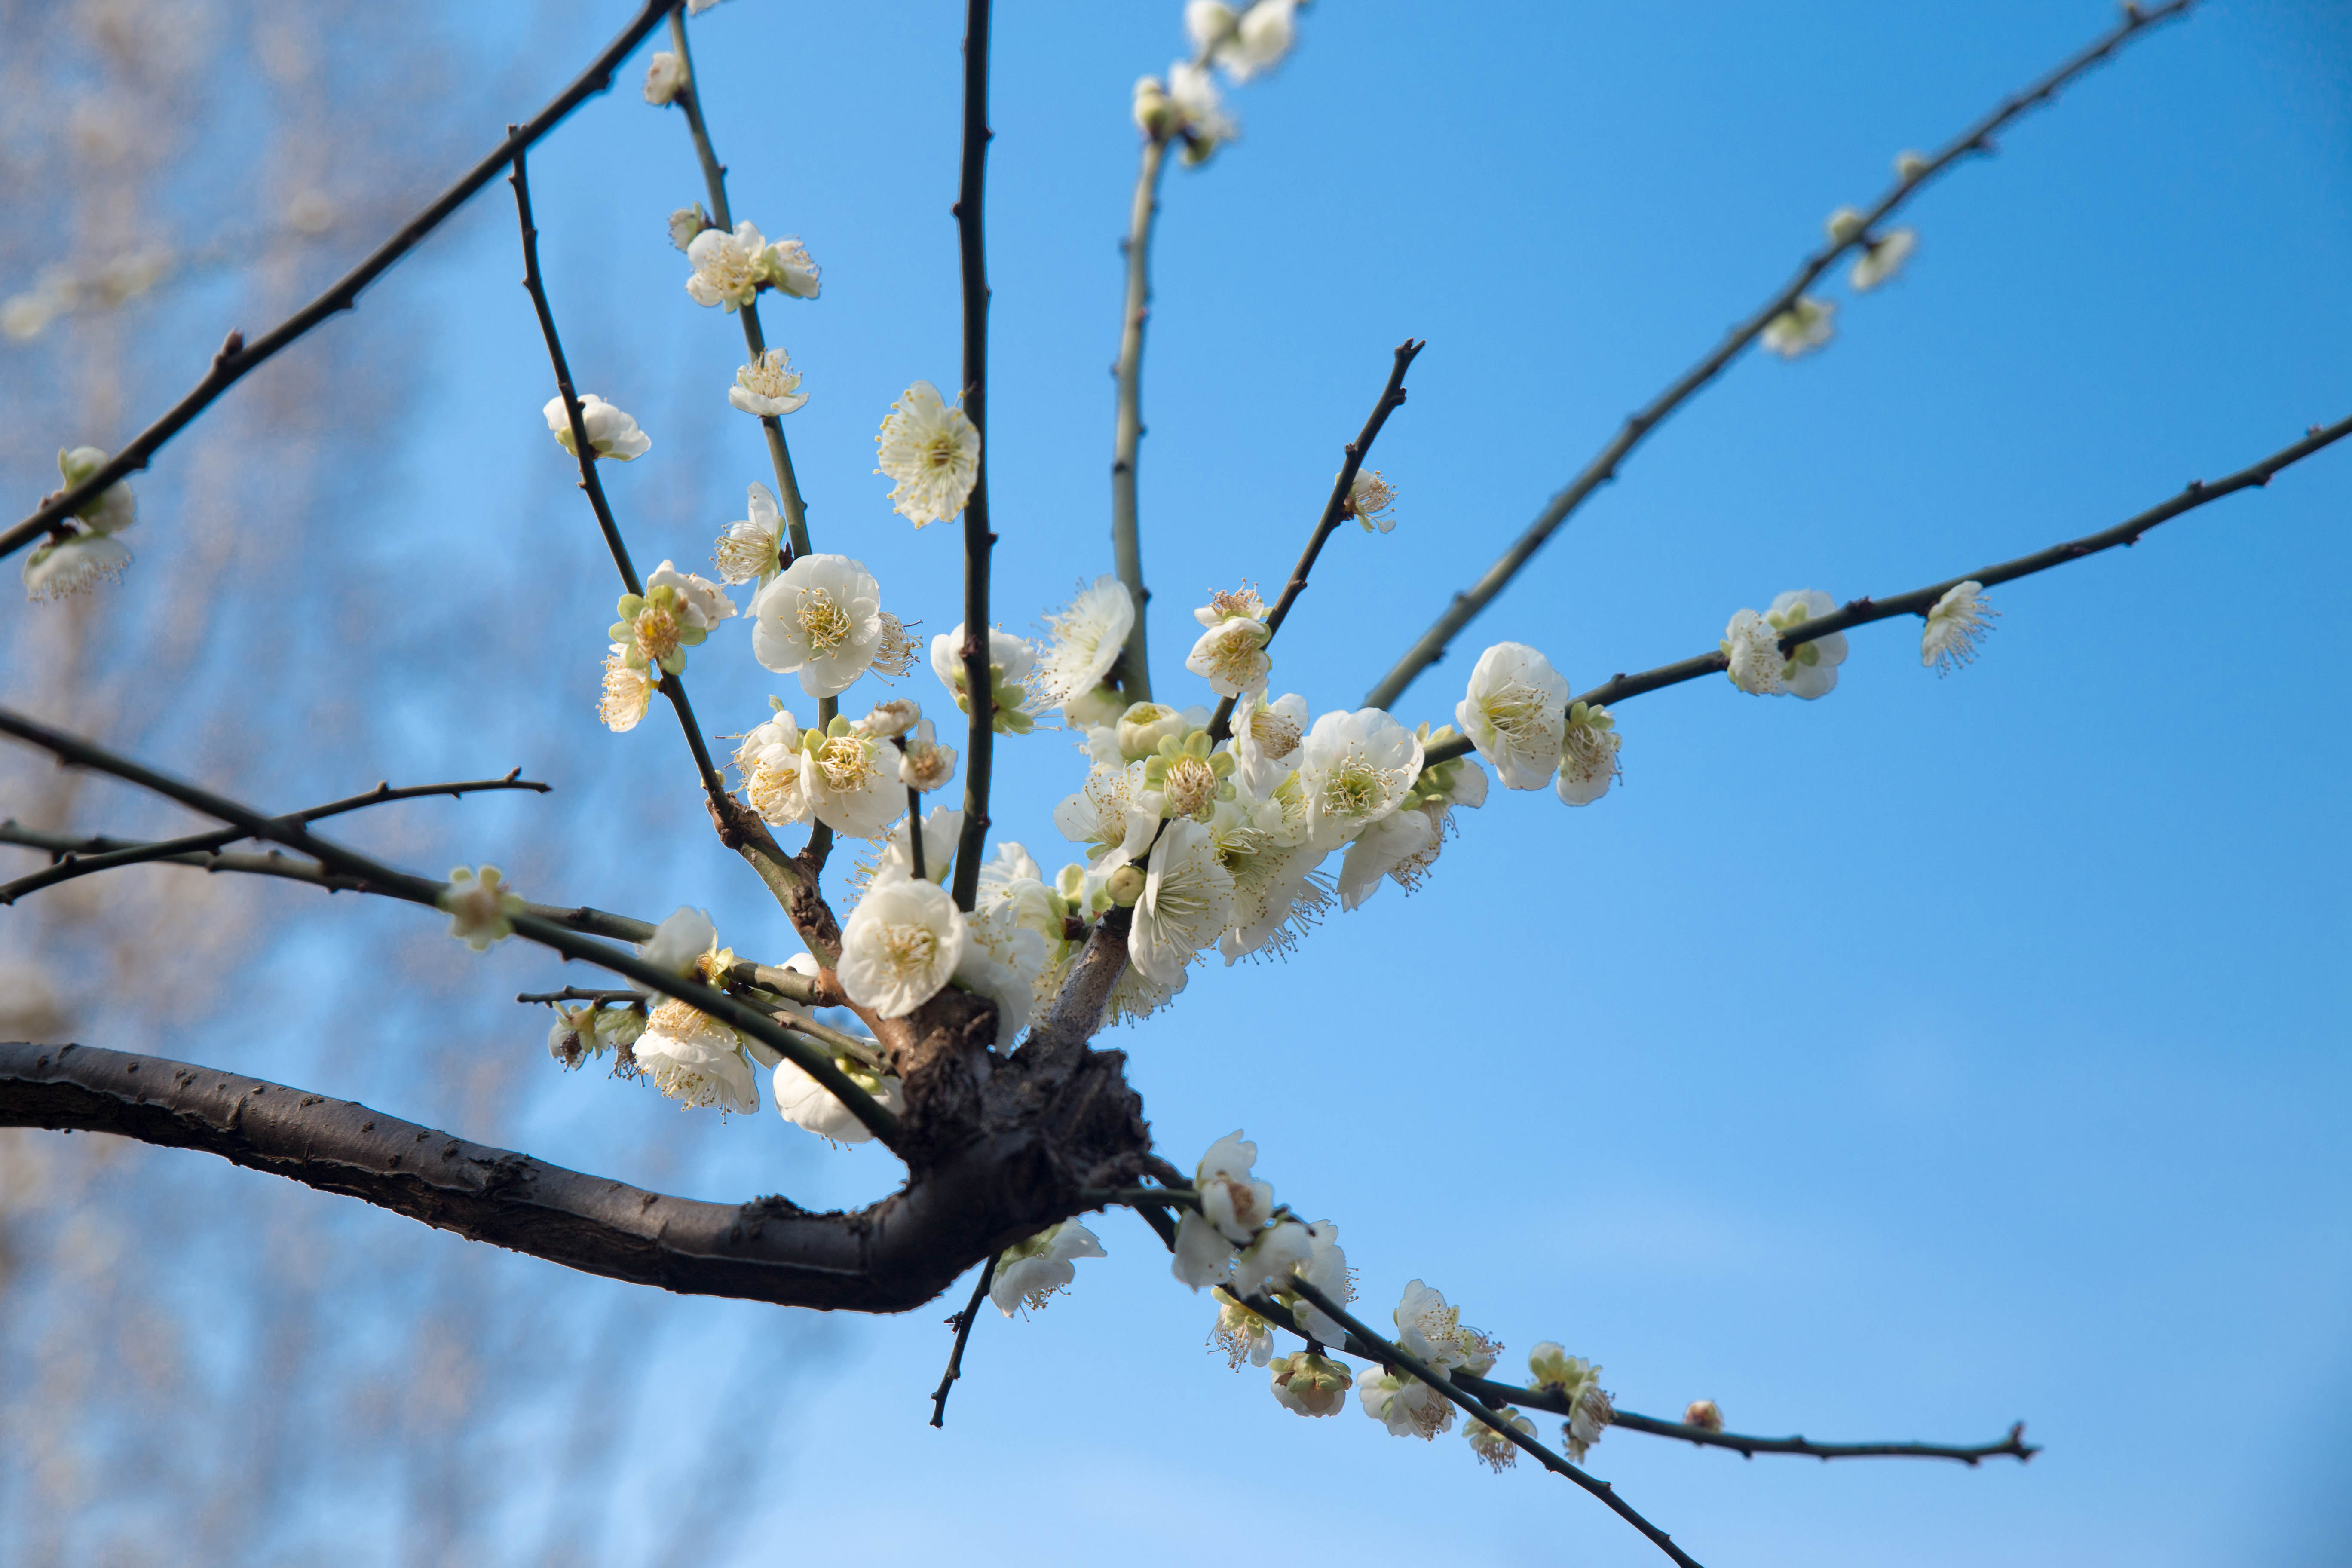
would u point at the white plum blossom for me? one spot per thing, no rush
(1231, 655)
(1958, 621)
(1371, 501)
(1193, 111)
(60, 568)
(900, 946)
(925, 765)
(1278, 894)
(664, 76)
(701, 603)
(943, 827)
(1811, 669)
(808, 1104)
(728, 268)
(1326, 1269)
(1265, 740)
(930, 453)
(1232, 1208)
(1435, 1331)
(695, 1059)
(751, 550)
(789, 269)
(1271, 1256)
(611, 433)
(1034, 1270)
(891, 719)
(1882, 258)
(1187, 904)
(1241, 1333)
(1012, 662)
(768, 386)
(113, 509)
(1514, 713)
(1308, 1384)
(1752, 647)
(1578, 1381)
(771, 761)
(1703, 1414)
(1399, 839)
(479, 904)
(1001, 961)
(627, 691)
(820, 617)
(1407, 1406)
(678, 946)
(1107, 816)
(1588, 755)
(1804, 327)
(1498, 1451)
(1089, 633)
(684, 223)
(573, 1039)
(1354, 769)
(851, 780)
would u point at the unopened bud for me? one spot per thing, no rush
(1843, 225)
(1909, 165)
(1125, 886)
(1702, 1413)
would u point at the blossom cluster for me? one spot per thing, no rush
(1809, 323)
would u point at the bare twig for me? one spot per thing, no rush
(972, 246)
(237, 357)
(1975, 139)
(962, 1321)
(82, 862)
(579, 994)
(1126, 543)
(1396, 1356)
(1335, 510)
(1919, 600)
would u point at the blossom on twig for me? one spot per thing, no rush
(930, 453)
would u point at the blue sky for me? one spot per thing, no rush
(1939, 1054)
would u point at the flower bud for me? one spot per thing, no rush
(665, 79)
(1155, 116)
(1144, 725)
(1909, 165)
(1843, 225)
(1125, 886)
(1703, 1412)
(1310, 1384)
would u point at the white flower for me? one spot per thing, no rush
(1265, 740)
(1270, 1258)
(684, 223)
(926, 765)
(751, 550)
(1882, 258)
(695, 1059)
(1371, 501)
(1435, 1331)
(1230, 656)
(1498, 1451)
(771, 762)
(1002, 959)
(1811, 669)
(617, 1027)
(1035, 1269)
(789, 269)
(900, 947)
(1843, 225)
(1187, 904)
(1108, 816)
(768, 386)
(943, 827)
(1588, 755)
(1355, 769)
(728, 268)
(665, 75)
(895, 655)
(1278, 894)
(611, 433)
(821, 616)
(678, 946)
(1309, 1384)
(701, 603)
(61, 568)
(1514, 713)
(1326, 1269)
(930, 452)
(479, 905)
(1802, 328)
(114, 509)
(1011, 663)
(626, 693)
(1407, 1406)
(1579, 1382)
(806, 1103)
(1232, 1208)
(1267, 30)
(1753, 648)
(1241, 1333)
(1957, 622)
(1399, 840)
(572, 1038)
(1199, 114)
(890, 720)
(851, 780)
(1089, 633)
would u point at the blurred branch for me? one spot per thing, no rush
(81, 862)
(2015, 1445)
(1919, 600)
(972, 249)
(1975, 139)
(962, 1321)
(237, 357)
(1126, 440)
(579, 994)
(1391, 398)
(1393, 1356)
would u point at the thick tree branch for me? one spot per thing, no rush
(971, 247)
(1975, 139)
(1335, 510)
(1919, 600)
(1127, 439)
(237, 357)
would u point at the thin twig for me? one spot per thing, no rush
(1975, 139)
(237, 357)
(1396, 1356)
(972, 246)
(962, 1321)
(1126, 440)
(77, 862)
(1335, 510)
(1919, 600)
(578, 994)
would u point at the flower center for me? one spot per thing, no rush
(1276, 736)
(823, 622)
(846, 762)
(1191, 787)
(1356, 789)
(908, 951)
(1517, 711)
(656, 631)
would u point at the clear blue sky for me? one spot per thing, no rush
(1939, 1054)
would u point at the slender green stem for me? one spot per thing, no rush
(1127, 548)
